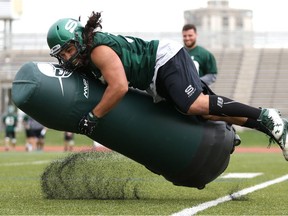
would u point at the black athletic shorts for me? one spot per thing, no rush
(34, 133)
(10, 134)
(68, 136)
(178, 81)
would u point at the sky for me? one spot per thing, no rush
(141, 16)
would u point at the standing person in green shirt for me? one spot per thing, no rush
(10, 122)
(203, 59)
(163, 68)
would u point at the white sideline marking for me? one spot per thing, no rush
(25, 163)
(240, 175)
(206, 205)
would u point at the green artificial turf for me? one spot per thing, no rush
(143, 193)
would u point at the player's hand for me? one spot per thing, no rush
(88, 123)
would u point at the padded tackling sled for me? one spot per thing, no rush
(184, 150)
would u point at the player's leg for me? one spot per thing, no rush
(40, 140)
(178, 81)
(265, 120)
(13, 139)
(7, 141)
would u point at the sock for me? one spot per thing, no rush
(222, 106)
(253, 124)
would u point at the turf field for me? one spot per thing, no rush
(128, 188)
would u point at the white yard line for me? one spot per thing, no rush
(206, 205)
(25, 163)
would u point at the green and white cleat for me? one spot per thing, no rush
(283, 143)
(277, 126)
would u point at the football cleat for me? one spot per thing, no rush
(271, 119)
(284, 144)
(277, 127)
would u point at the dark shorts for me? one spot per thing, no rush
(179, 82)
(34, 133)
(68, 136)
(10, 134)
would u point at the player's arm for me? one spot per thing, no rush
(111, 67)
(210, 69)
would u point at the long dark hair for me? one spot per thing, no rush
(93, 23)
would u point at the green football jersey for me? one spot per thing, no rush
(10, 122)
(137, 56)
(204, 61)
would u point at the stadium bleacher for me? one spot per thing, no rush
(256, 76)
